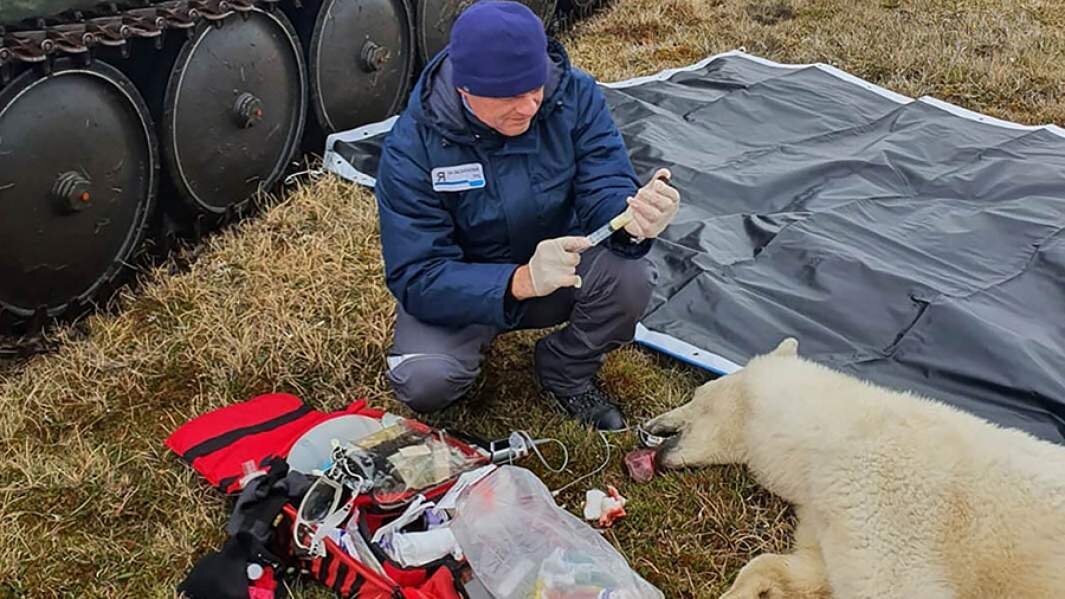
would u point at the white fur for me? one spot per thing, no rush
(897, 495)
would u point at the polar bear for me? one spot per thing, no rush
(897, 496)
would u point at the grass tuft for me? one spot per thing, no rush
(770, 12)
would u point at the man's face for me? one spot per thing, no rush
(510, 116)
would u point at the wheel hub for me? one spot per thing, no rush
(373, 56)
(248, 110)
(71, 191)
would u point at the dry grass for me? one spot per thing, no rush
(1006, 59)
(93, 506)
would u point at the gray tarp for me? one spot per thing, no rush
(910, 243)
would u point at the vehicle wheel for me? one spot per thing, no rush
(78, 179)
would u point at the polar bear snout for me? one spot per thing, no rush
(666, 452)
(707, 430)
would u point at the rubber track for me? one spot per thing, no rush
(75, 34)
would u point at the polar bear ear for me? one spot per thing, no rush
(787, 347)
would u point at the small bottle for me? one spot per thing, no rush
(255, 572)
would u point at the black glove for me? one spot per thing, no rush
(223, 574)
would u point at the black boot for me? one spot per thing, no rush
(594, 407)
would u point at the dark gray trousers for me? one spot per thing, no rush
(430, 366)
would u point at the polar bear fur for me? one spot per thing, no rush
(896, 495)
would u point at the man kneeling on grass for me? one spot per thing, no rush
(504, 159)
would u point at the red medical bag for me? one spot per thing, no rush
(221, 444)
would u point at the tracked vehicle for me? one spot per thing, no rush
(117, 116)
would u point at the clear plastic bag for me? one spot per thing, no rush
(521, 545)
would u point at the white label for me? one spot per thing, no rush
(459, 177)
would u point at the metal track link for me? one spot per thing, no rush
(78, 33)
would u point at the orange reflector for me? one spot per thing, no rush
(85, 196)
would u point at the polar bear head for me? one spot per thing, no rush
(709, 429)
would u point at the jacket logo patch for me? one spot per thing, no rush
(460, 177)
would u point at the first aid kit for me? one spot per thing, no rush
(365, 521)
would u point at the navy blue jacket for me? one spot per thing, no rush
(450, 255)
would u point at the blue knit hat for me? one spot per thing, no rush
(498, 49)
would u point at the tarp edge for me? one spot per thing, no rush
(989, 120)
(684, 351)
(333, 162)
(667, 73)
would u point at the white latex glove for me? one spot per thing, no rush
(554, 264)
(654, 207)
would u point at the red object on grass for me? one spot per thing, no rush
(218, 443)
(640, 465)
(615, 512)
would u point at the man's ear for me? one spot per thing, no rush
(787, 347)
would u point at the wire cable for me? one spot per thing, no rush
(528, 444)
(641, 433)
(606, 462)
(565, 454)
